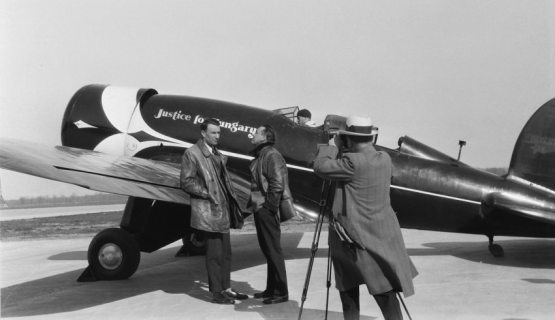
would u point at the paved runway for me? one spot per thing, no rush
(458, 279)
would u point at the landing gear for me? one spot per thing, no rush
(146, 226)
(113, 255)
(495, 249)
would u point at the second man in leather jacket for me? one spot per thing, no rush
(269, 188)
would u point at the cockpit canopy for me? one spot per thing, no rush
(332, 122)
(288, 112)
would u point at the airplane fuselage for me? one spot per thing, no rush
(438, 194)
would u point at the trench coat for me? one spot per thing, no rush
(362, 206)
(198, 178)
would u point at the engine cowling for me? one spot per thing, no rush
(99, 117)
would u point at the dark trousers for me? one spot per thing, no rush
(218, 260)
(387, 302)
(269, 239)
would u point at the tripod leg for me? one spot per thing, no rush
(404, 306)
(328, 282)
(326, 189)
(314, 248)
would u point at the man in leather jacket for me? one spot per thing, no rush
(214, 208)
(269, 186)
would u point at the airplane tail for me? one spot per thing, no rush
(533, 157)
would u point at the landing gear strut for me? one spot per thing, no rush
(495, 249)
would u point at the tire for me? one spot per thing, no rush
(194, 243)
(113, 254)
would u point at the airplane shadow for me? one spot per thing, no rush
(522, 253)
(158, 271)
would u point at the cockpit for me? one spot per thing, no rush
(288, 112)
(331, 123)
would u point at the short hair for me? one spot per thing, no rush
(304, 113)
(270, 133)
(208, 121)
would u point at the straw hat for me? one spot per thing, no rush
(359, 126)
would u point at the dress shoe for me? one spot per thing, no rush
(221, 298)
(230, 293)
(276, 299)
(264, 294)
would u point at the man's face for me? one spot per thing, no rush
(259, 136)
(303, 120)
(211, 135)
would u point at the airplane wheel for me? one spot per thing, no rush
(496, 250)
(113, 254)
(194, 243)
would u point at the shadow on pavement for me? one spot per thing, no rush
(523, 253)
(159, 270)
(287, 310)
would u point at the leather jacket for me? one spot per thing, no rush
(198, 178)
(270, 181)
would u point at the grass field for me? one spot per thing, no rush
(83, 225)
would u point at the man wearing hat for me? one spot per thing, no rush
(305, 117)
(365, 239)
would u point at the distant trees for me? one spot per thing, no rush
(66, 201)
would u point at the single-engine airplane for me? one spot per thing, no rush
(130, 142)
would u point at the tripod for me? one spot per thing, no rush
(327, 187)
(326, 191)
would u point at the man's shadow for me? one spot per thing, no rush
(286, 310)
(159, 271)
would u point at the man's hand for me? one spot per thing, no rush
(336, 141)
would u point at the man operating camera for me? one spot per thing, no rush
(365, 239)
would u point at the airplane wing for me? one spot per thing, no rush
(95, 170)
(506, 203)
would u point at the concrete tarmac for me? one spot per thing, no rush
(459, 279)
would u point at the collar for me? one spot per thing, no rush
(209, 147)
(256, 151)
(204, 147)
(369, 148)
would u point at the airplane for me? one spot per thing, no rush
(129, 141)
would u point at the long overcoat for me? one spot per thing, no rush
(362, 206)
(199, 177)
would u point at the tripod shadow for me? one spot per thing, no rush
(286, 310)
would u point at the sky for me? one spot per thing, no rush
(438, 71)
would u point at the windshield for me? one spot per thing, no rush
(289, 112)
